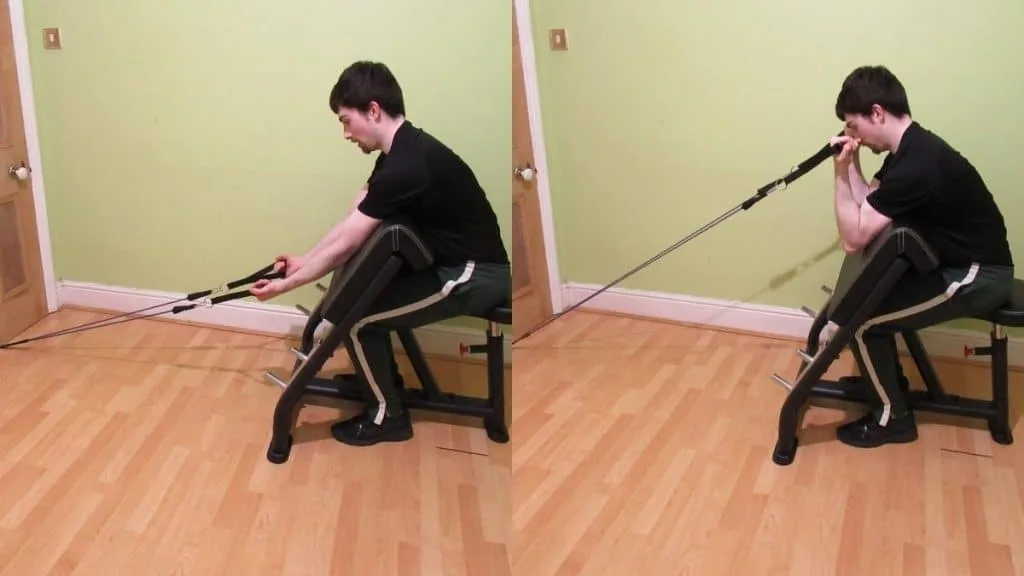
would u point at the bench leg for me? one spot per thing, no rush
(999, 424)
(419, 364)
(497, 429)
(933, 386)
(294, 389)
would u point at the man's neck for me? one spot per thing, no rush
(388, 131)
(899, 129)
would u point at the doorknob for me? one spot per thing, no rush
(19, 171)
(526, 172)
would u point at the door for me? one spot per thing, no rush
(22, 292)
(531, 301)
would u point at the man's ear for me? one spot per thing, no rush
(877, 114)
(373, 112)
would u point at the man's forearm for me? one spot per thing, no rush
(847, 206)
(332, 236)
(328, 258)
(859, 187)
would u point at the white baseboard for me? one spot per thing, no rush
(252, 316)
(758, 318)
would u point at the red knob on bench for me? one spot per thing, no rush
(968, 351)
(463, 349)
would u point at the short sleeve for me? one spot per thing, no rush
(900, 193)
(392, 190)
(376, 165)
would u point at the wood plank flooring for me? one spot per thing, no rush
(645, 448)
(637, 448)
(140, 449)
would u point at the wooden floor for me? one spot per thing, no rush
(638, 448)
(140, 449)
(642, 448)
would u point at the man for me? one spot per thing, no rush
(418, 177)
(926, 185)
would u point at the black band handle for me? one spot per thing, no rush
(198, 295)
(229, 297)
(265, 273)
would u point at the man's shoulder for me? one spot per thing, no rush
(415, 140)
(928, 146)
(918, 157)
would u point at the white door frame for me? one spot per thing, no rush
(532, 86)
(28, 112)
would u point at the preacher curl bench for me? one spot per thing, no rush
(864, 280)
(393, 248)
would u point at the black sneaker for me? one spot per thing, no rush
(337, 427)
(866, 432)
(362, 431)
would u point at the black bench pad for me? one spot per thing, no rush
(500, 314)
(1011, 314)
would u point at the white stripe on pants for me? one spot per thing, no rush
(401, 310)
(895, 315)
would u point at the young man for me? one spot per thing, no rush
(926, 185)
(418, 177)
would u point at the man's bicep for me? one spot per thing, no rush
(872, 222)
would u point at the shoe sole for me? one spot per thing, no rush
(893, 440)
(395, 436)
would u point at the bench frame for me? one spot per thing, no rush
(429, 396)
(934, 398)
(344, 303)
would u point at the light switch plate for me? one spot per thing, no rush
(51, 38)
(557, 39)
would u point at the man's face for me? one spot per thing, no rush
(867, 129)
(360, 128)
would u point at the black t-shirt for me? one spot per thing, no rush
(932, 189)
(422, 179)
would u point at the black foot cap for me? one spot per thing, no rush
(280, 456)
(498, 434)
(1001, 434)
(784, 456)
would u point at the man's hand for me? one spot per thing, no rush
(267, 289)
(850, 147)
(291, 264)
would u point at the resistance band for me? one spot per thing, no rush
(779, 184)
(200, 298)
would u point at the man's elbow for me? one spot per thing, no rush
(854, 243)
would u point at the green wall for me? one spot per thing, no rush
(159, 117)
(677, 111)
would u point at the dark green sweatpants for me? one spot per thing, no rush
(411, 301)
(917, 302)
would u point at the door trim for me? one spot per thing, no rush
(28, 112)
(532, 87)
